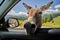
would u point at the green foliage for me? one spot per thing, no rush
(57, 20)
(20, 22)
(47, 19)
(55, 23)
(44, 20)
(51, 18)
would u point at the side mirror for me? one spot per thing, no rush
(12, 23)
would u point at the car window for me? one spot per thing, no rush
(50, 17)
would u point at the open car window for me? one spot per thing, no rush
(50, 17)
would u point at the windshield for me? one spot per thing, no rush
(50, 17)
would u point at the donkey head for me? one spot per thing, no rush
(35, 14)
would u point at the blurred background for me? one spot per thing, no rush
(50, 17)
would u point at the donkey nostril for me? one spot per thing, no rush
(32, 25)
(27, 25)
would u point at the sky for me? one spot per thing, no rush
(19, 7)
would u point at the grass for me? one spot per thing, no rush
(56, 23)
(20, 23)
(57, 20)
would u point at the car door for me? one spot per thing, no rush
(6, 5)
(42, 33)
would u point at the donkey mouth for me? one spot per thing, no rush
(32, 25)
(30, 28)
(28, 24)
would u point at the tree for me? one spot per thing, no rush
(50, 17)
(45, 20)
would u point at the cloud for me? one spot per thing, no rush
(57, 6)
(22, 13)
(51, 11)
(50, 7)
(14, 13)
(57, 9)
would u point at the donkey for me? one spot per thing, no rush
(34, 19)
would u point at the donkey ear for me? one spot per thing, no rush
(26, 6)
(46, 6)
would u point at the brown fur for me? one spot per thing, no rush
(35, 14)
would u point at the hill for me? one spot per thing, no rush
(54, 24)
(57, 20)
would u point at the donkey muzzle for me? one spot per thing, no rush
(30, 28)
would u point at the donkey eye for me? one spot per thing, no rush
(27, 13)
(40, 12)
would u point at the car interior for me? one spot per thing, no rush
(10, 31)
